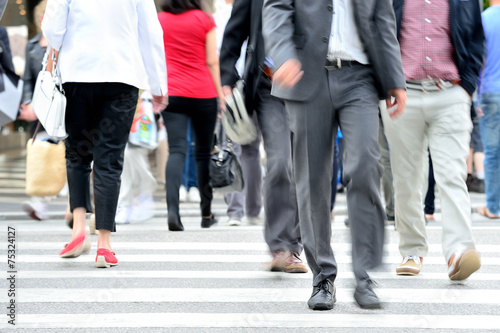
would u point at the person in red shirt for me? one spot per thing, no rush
(194, 87)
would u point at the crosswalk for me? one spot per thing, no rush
(215, 280)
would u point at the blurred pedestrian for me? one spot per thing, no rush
(489, 103)
(330, 59)
(441, 49)
(194, 87)
(101, 74)
(281, 230)
(36, 207)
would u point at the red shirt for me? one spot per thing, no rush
(425, 40)
(184, 36)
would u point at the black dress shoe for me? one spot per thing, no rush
(207, 223)
(174, 223)
(365, 296)
(323, 296)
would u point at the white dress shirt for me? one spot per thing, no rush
(108, 41)
(345, 43)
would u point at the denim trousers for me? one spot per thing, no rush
(98, 121)
(490, 133)
(189, 171)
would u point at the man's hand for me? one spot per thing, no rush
(288, 74)
(159, 103)
(396, 107)
(27, 113)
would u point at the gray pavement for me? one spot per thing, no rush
(215, 280)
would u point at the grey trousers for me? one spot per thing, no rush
(248, 201)
(385, 160)
(347, 96)
(281, 230)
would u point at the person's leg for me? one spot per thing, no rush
(430, 197)
(127, 187)
(281, 230)
(116, 113)
(490, 132)
(252, 174)
(406, 137)
(355, 99)
(189, 157)
(203, 114)
(176, 121)
(235, 200)
(475, 160)
(80, 121)
(335, 177)
(313, 125)
(385, 160)
(145, 185)
(448, 115)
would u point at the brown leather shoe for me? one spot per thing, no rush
(294, 264)
(279, 261)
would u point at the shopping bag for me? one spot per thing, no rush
(144, 132)
(45, 167)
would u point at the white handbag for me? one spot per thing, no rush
(49, 102)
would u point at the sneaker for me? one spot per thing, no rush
(105, 259)
(123, 215)
(254, 220)
(463, 263)
(183, 195)
(194, 195)
(411, 265)
(293, 264)
(233, 222)
(143, 209)
(37, 210)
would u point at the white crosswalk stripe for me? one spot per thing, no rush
(217, 279)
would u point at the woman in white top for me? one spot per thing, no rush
(106, 51)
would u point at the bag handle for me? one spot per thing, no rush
(36, 132)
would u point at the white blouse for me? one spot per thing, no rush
(108, 41)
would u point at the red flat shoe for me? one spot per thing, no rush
(76, 247)
(105, 258)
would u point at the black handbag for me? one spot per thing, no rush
(225, 170)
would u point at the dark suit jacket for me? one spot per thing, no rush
(301, 29)
(467, 36)
(34, 58)
(245, 22)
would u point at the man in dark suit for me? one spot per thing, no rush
(281, 232)
(334, 61)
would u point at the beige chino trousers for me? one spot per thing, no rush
(441, 121)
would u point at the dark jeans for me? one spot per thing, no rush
(98, 121)
(203, 115)
(189, 171)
